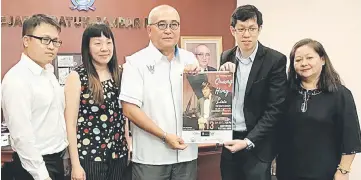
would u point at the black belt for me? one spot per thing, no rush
(58, 154)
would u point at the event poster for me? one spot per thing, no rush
(207, 107)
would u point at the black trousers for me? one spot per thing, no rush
(243, 165)
(113, 169)
(53, 162)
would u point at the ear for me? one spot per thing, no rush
(323, 61)
(259, 29)
(26, 40)
(149, 30)
(231, 28)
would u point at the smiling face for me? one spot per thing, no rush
(101, 49)
(307, 63)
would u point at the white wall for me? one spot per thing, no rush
(334, 23)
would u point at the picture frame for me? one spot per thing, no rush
(207, 50)
(64, 63)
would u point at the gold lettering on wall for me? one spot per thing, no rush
(62, 22)
(69, 21)
(85, 21)
(77, 21)
(81, 21)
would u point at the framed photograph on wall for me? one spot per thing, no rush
(64, 63)
(207, 50)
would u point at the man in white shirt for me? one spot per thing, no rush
(151, 94)
(33, 104)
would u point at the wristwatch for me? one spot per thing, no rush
(250, 145)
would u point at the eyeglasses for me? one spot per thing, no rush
(251, 30)
(204, 55)
(162, 25)
(47, 40)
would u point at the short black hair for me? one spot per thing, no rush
(35, 20)
(206, 84)
(245, 12)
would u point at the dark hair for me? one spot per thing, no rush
(329, 78)
(35, 20)
(245, 12)
(96, 30)
(206, 84)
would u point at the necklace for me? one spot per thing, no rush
(306, 96)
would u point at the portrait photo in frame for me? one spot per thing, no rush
(207, 50)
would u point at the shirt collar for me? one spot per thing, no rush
(252, 56)
(29, 63)
(158, 55)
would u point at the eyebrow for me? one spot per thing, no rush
(47, 36)
(252, 26)
(101, 38)
(168, 21)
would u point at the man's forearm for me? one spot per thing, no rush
(139, 118)
(31, 159)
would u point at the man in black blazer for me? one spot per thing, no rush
(206, 106)
(260, 91)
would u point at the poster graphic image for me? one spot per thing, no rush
(207, 107)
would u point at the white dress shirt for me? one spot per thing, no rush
(154, 84)
(206, 107)
(33, 105)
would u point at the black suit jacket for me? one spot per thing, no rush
(210, 68)
(264, 98)
(212, 106)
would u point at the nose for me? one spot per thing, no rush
(303, 62)
(51, 46)
(167, 30)
(246, 33)
(104, 47)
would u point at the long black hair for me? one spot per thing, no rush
(97, 30)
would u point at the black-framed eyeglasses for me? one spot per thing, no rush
(162, 25)
(47, 40)
(252, 30)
